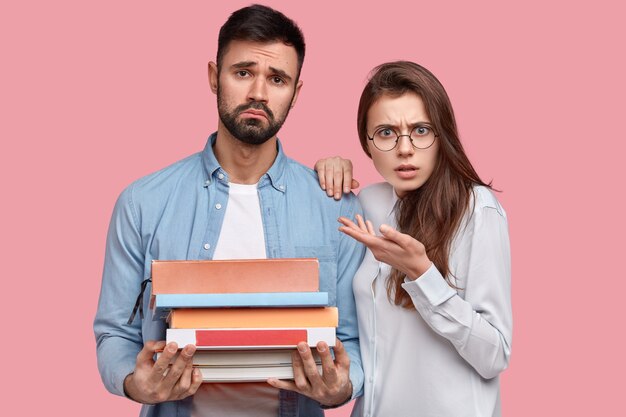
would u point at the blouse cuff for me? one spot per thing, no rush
(430, 287)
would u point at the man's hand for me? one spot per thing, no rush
(335, 176)
(333, 387)
(155, 382)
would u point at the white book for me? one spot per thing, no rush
(244, 358)
(247, 374)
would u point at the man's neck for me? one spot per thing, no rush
(244, 163)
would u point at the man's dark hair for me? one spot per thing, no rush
(258, 23)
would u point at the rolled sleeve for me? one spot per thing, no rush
(117, 342)
(350, 254)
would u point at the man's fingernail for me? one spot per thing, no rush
(172, 348)
(302, 348)
(321, 347)
(337, 195)
(346, 190)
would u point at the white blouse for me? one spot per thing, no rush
(443, 359)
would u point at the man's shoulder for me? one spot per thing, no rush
(305, 179)
(160, 183)
(300, 171)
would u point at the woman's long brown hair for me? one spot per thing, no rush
(432, 213)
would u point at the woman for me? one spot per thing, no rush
(433, 297)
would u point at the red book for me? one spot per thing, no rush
(251, 338)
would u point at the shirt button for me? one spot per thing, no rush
(218, 206)
(207, 246)
(281, 187)
(220, 176)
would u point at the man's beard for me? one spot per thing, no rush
(251, 131)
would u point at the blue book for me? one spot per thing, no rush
(162, 303)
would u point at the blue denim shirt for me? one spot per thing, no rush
(176, 214)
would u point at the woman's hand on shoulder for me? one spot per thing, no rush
(335, 176)
(401, 251)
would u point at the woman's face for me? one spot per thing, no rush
(404, 167)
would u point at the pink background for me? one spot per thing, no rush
(97, 94)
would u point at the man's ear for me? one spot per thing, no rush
(295, 94)
(213, 78)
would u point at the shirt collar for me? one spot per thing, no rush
(394, 201)
(274, 176)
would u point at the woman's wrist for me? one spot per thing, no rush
(419, 269)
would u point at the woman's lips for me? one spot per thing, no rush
(406, 171)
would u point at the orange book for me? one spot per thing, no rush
(235, 276)
(220, 318)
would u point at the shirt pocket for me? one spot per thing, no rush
(327, 257)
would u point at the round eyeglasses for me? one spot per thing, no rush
(386, 138)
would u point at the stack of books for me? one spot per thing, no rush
(245, 317)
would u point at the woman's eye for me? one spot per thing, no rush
(422, 130)
(385, 133)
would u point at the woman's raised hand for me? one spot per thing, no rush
(399, 250)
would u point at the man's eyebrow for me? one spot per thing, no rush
(244, 64)
(281, 73)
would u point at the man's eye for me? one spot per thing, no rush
(277, 80)
(242, 73)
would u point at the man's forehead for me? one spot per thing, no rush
(277, 54)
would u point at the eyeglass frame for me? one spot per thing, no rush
(399, 136)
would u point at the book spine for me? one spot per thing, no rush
(243, 358)
(225, 375)
(190, 318)
(277, 299)
(235, 276)
(250, 338)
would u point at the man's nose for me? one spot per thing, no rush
(258, 90)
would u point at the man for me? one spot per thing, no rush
(241, 197)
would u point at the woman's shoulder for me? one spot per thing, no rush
(380, 194)
(377, 200)
(376, 190)
(484, 198)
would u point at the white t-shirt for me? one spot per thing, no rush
(241, 237)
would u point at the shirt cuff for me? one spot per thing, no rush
(121, 375)
(430, 288)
